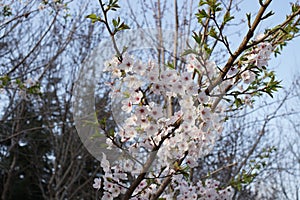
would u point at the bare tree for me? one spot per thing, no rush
(41, 153)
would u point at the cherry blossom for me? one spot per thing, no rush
(136, 97)
(203, 98)
(127, 63)
(107, 196)
(248, 77)
(127, 105)
(97, 183)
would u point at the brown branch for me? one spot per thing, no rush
(220, 169)
(142, 175)
(276, 31)
(241, 48)
(167, 181)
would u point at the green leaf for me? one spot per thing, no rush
(213, 33)
(202, 14)
(197, 37)
(239, 187)
(35, 90)
(227, 17)
(111, 133)
(238, 102)
(123, 26)
(295, 8)
(202, 2)
(112, 5)
(189, 51)
(207, 49)
(218, 8)
(93, 17)
(170, 65)
(4, 80)
(7, 11)
(115, 23)
(103, 121)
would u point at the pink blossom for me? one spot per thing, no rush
(97, 183)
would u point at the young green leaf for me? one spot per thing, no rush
(93, 17)
(227, 17)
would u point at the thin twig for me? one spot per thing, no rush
(111, 33)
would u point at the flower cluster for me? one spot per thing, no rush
(260, 55)
(241, 76)
(185, 132)
(141, 89)
(210, 190)
(111, 180)
(257, 58)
